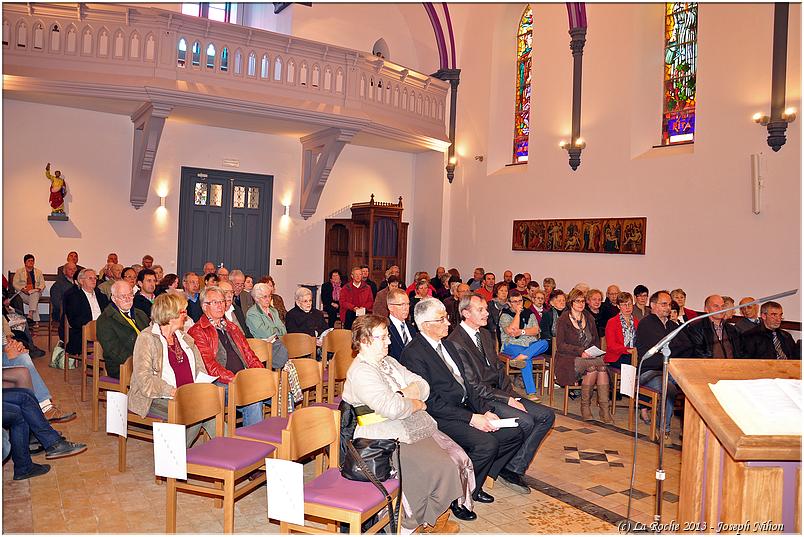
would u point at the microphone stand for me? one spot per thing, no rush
(664, 346)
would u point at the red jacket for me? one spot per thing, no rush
(355, 297)
(206, 339)
(615, 341)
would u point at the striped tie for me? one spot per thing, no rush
(780, 355)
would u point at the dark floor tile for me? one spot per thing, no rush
(637, 494)
(616, 465)
(584, 430)
(669, 497)
(591, 456)
(611, 451)
(601, 490)
(570, 448)
(561, 429)
(573, 461)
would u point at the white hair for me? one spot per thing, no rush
(302, 292)
(426, 309)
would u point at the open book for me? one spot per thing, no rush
(762, 406)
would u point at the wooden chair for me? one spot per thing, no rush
(614, 372)
(309, 372)
(225, 461)
(89, 335)
(262, 349)
(250, 386)
(653, 403)
(299, 345)
(338, 367)
(335, 340)
(538, 365)
(330, 496)
(101, 381)
(138, 427)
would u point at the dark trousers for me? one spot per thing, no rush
(22, 416)
(535, 424)
(489, 452)
(332, 315)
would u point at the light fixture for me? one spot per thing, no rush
(574, 150)
(789, 115)
(162, 201)
(287, 210)
(760, 119)
(451, 163)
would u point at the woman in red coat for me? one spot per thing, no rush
(621, 332)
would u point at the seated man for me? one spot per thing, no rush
(81, 305)
(72, 257)
(209, 268)
(303, 317)
(750, 316)
(476, 281)
(64, 282)
(453, 402)
(223, 274)
(233, 314)
(223, 347)
(487, 289)
(381, 298)
(368, 281)
(486, 375)
(713, 337)
(118, 327)
(609, 306)
(14, 355)
(242, 298)
(400, 330)
(30, 283)
(191, 284)
(356, 299)
(451, 302)
(147, 262)
(144, 298)
(105, 272)
(106, 286)
(768, 341)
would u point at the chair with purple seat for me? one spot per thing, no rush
(219, 465)
(338, 367)
(101, 381)
(330, 496)
(137, 427)
(309, 371)
(335, 340)
(249, 386)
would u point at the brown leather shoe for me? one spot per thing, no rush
(55, 415)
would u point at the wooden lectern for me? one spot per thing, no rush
(730, 480)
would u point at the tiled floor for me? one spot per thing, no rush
(580, 479)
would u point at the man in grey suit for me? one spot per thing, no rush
(242, 299)
(750, 316)
(486, 374)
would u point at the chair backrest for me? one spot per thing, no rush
(299, 345)
(88, 333)
(338, 338)
(602, 343)
(196, 402)
(340, 364)
(125, 374)
(252, 385)
(309, 372)
(634, 356)
(311, 429)
(553, 346)
(262, 349)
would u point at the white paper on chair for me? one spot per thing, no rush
(170, 450)
(594, 351)
(202, 377)
(627, 379)
(504, 423)
(285, 490)
(117, 413)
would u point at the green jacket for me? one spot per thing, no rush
(117, 337)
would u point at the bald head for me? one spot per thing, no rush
(749, 311)
(714, 303)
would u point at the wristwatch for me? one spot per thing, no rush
(522, 333)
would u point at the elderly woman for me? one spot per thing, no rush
(303, 317)
(594, 299)
(276, 300)
(165, 358)
(431, 482)
(496, 305)
(264, 322)
(519, 332)
(422, 292)
(575, 333)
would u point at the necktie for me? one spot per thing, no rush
(480, 347)
(780, 355)
(456, 374)
(405, 336)
(237, 301)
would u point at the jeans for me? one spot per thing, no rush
(24, 360)
(22, 416)
(534, 349)
(252, 413)
(672, 390)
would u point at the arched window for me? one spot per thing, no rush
(265, 67)
(119, 44)
(303, 74)
(328, 79)
(182, 58)
(86, 42)
(524, 42)
(6, 32)
(196, 54)
(38, 36)
(278, 69)
(134, 46)
(238, 62)
(72, 40)
(103, 42)
(316, 77)
(339, 81)
(252, 64)
(211, 56)
(680, 55)
(22, 35)
(55, 38)
(150, 47)
(225, 59)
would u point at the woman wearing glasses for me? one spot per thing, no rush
(575, 333)
(520, 338)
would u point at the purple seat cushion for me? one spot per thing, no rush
(326, 375)
(268, 430)
(109, 380)
(228, 453)
(334, 490)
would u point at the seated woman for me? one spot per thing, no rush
(594, 299)
(431, 482)
(330, 297)
(576, 332)
(169, 281)
(520, 339)
(210, 279)
(422, 292)
(621, 332)
(496, 306)
(303, 318)
(276, 300)
(263, 318)
(558, 304)
(164, 359)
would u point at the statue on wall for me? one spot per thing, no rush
(58, 189)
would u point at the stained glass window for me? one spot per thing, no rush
(524, 41)
(253, 197)
(239, 197)
(216, 195)
(680, 55)
(200, 193)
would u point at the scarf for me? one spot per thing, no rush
(336, 292)
(628, 330)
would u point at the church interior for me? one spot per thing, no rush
(259, 135)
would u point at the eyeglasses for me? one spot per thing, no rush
(125, 297)
(515, 300)
(579, 301)
(215, 302)
(381, 336)
(399, 304)
(439, 320)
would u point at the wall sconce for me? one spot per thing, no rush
(451, 163)
(287, 210)
(776, 127)
(574, 150)
(162, 201)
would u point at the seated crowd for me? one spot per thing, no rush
(430, 357)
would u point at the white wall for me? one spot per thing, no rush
(701, 233)
(94, 152)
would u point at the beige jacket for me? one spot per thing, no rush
(152, 376)
(21, 278)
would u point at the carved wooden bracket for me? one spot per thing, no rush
(320, 150)
(148, 121)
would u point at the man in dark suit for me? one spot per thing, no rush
(118, 327)
(144, 298)
(749, 320)
(242, 299)
(714, 337)
(81, 305)
(486, 375)
(401, 331)
(64, 282)
(768, 341)
(453, 402)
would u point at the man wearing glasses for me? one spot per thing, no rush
(453, 402)
(118, 327)
(401, 331)
(768, 340)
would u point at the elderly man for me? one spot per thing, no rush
(117, 274)
(487, 289)
(190, 283)
(118, 327)
(393, 270)
(486, 375)
(768, 341)
(223, 274)
(368, 281)
(356, 299)
(209, 268)
(30, 283)
(64, 282)
(224, 348)
(381, 300)
(451, 304)
(454, 403)
(81, 305)
(105, 272)
(233, 314)
(476, 281)
(713, 337)
(750, 316)
(508, 277)
(144, 298)
(147, 261)
(609, 307)
(400, 329)
(303, 318)
(72, 257)
(242, 298)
